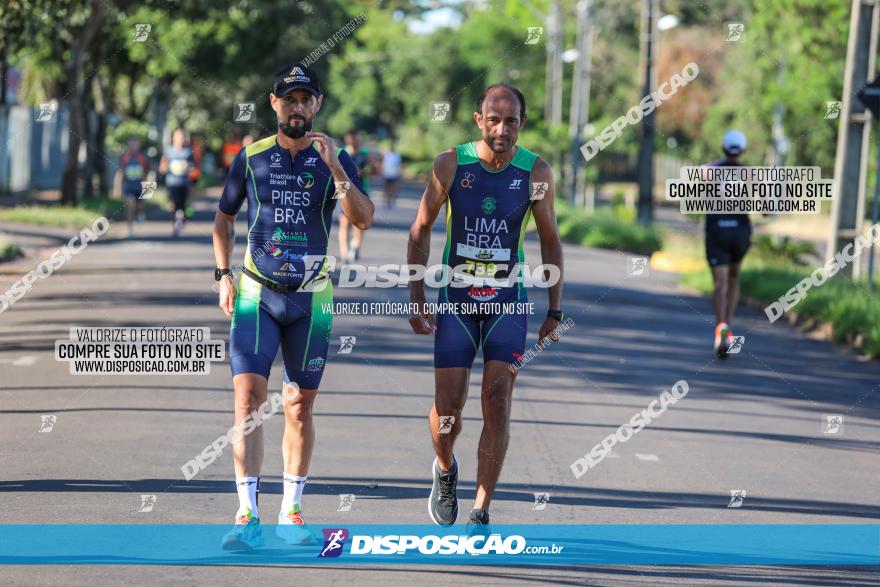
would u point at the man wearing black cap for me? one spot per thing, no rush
(292, 181)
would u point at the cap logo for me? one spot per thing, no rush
(296, 77)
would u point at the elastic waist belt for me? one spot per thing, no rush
(276, 287)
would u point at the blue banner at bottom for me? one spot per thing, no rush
(168, 544)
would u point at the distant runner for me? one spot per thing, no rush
(486, 186)
(350, 251)
(135, 168)
(728, 237)
(196, 143)
(392, 170)
(177, 164)
(289, 181)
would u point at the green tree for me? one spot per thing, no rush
(197, 61)
(807, 40)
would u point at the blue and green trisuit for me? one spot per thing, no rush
(486, 217)
(284, 296)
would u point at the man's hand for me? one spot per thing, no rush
(227, 295)
(423, 323)
(548, 328)
(326, 148)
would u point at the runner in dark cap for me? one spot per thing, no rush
(291, 181)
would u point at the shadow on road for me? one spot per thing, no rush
(397, 488)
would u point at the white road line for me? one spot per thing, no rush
(25, 361)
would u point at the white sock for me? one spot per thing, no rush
(247, 495)
(293, 492)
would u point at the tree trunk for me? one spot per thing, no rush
(160, 108)
(71, 159)
(4, 71)
(77, 90)
(101, 104)
(89, 140)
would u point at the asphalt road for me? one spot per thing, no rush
(753, 422)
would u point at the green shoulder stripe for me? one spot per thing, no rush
(524, 159)
(260, 146)
(466, 154)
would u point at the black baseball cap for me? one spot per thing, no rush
(296, 76)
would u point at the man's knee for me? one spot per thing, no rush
(496, 402)
(450, 395)
(248, 397)
(298, 403)
(449, 404)
(733, 274)
(448, 408)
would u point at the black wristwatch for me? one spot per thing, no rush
(555, 314)
(219, 273)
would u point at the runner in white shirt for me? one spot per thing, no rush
(392, 164)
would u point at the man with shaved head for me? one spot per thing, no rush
(490, 187)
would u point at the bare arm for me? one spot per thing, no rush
(544, 211)
(355, 205)
(224, 237)
(418, 250)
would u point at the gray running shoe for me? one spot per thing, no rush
(443, 502)
(478, 523)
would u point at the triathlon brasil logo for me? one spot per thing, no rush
(489, 205)
(305, 180)
(334, 540)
